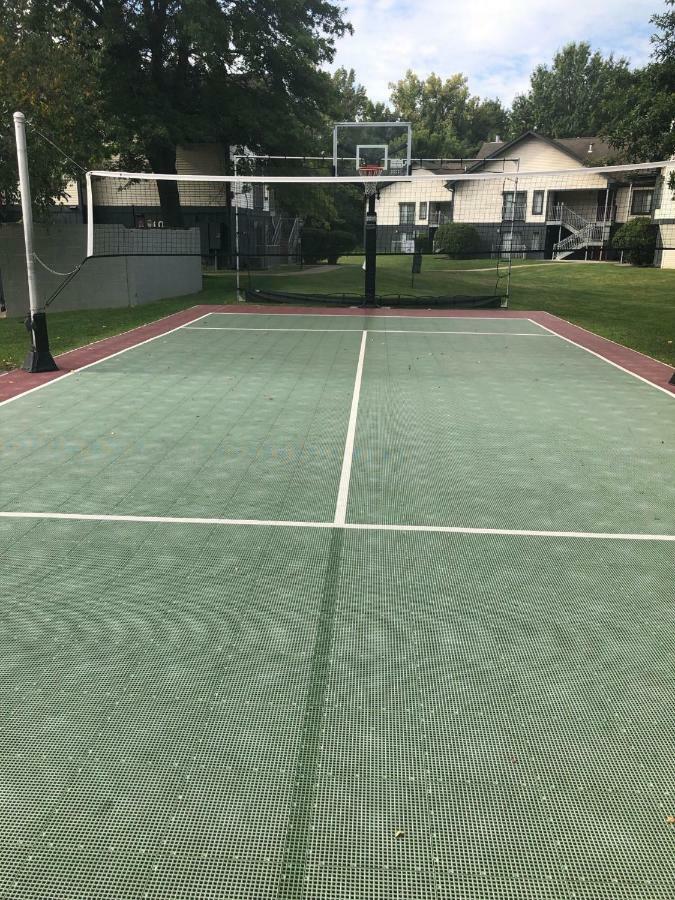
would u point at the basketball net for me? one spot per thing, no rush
(370, 171)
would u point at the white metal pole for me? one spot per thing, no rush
(39, 358)
(236, 232)
(505, 302)
(26, 210)
(90, 216)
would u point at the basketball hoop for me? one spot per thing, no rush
(370, 171)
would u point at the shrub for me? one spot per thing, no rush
(337, 243)
(457, 240)
(423, 244)
(638, 239)
(314, 242)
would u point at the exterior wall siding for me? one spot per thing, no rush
(424, 189)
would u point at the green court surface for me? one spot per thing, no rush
(339, 608)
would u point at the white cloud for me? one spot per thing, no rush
(496, 43)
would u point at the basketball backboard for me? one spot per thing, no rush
(387, 145)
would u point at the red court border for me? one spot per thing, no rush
(17, 382)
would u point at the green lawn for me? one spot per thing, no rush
(635, 307)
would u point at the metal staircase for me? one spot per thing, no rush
(584, 233)
(282, 246)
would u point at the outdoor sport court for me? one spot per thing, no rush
(339, 606)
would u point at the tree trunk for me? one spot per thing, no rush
(162, 158)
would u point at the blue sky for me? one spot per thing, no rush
(496, 43)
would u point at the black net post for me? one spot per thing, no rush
(371, 252)
(39, 357)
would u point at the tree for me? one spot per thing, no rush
(176, 71)
(447, 121)
(488, 119)
(643, 127)
(42, 78)
(351, 103)
(436, 109)
(577, 95)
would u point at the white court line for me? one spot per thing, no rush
(609, 361)
(438, 331)
(237, 328)
(161, 520)
(616, 343)
(350, 526)
(103, 359)
(235, 312)
(343, 490)
(518, 532)
(372, 330)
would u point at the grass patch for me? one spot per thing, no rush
(635, 307)
(68, 330)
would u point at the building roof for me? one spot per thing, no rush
(586, 150)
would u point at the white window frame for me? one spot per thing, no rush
(538, 195)
(636, 193)
(511, 198)
(410, 207)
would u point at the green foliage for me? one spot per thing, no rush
(314, 243)
(642, 126)
(664, 39)
(638, 239)
(351, 102)
(457, 239)
(447, 121)
(166, 73)
(47, 80)
(338, 243)
(320, 244)
(577, 95)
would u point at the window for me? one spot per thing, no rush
(537, 203)
(535, 238)
(513, 245)
(423, 211)
(258, 196)
(440, 213)
(406, 214)
(641, 204)
(514, 205)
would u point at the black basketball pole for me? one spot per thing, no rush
(39, 358)
(371, 252)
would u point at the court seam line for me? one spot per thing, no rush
(350, 526)
(103, 359)
(609, 361)
(348, 455)
(360, 331)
